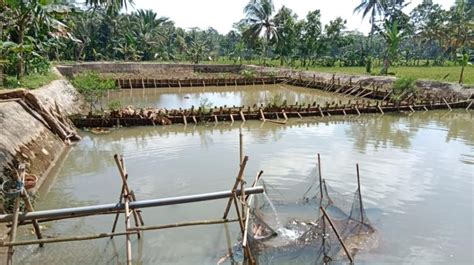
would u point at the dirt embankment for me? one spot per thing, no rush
(26, 137)
(440, 87)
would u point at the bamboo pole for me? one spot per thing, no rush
(380, 109)
(238, 179)
(262, 115)
(337, 234)
(360, 196)
(447, 104)
(29, 208)
(63, 239)
(320, 179)
(242, 116)
(241, 146)
(127, 227)
(357, 109)
(184, 224)
(11, 251)
(185, 121)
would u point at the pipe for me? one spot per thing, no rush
(114, 207)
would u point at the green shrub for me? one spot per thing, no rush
(93, 87)
(403, 87)
(248, 73)
(115, 105)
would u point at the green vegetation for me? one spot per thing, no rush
(34, 32)
(31, 81)
(115, 105)
(205, 104)
(402, 87)
(93, 88)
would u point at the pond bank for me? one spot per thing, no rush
(26, 135)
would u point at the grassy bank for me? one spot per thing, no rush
(448, 73)
(31, 81)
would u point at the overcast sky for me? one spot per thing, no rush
(222, 14)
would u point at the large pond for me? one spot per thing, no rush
(416, 172)
(219, 96)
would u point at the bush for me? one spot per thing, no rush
(115, 105)
(93, 88)
(403, 87)
(248, 73)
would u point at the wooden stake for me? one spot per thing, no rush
(237, 181)
(447, 104)
(242, 116)
(320, 179)
(337, 234)
(470, 104)
(360, 196)
(380, 109)
(241, 146)
(262, 115)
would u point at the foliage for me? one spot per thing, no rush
(34, 32)
(31, 81)
(248, 73)
(277, 101)
(93, 88)
(402, 87)
(205, 104)
(115, 105)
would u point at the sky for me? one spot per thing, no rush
(222, 14)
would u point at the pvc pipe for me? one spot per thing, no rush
(113, 208)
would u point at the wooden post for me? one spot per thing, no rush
(11, 251)
(284, 114)
(242, 116)
(241, 146)
(127, 228)
(320, 180)
(470, 104)
(231, 117)
(185, 120)
(357, 109)
(238, 179)
(337, 234)
(262, 115)
(360, 196)
(194, 119)
(380, 109)
(447, 104)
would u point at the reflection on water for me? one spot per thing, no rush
(219, 96)
(416, 172)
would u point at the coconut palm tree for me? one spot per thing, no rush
(375, 8)
(110, 4)
(258, 16)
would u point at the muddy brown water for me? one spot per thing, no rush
(416, 172)
(187, 97)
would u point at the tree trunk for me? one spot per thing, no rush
(21, 62)
(461, 76)
(386, 64)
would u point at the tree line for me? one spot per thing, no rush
(35, 32)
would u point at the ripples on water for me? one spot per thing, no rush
(416, 174)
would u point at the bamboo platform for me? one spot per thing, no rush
(279, 115)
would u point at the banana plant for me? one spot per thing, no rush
(463, 59)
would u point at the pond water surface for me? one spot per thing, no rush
(416, 173)
(218, 96)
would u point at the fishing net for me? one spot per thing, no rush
(297, 232)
